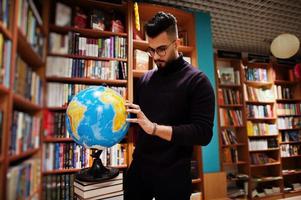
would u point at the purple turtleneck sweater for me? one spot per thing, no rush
(179, 96)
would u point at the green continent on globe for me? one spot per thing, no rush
(110, 97)
(75, 112)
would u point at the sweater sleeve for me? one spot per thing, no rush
(201, 114)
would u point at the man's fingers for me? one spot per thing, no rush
(134, 120)
(134, 111)
(132, 105)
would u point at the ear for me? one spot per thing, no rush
(177, 43)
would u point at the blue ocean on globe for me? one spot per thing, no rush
(96, 117)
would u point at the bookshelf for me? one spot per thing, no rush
(271, 109)
(231, 123)
(288, 110)
(142, 63)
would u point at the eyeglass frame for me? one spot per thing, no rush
(151, 52)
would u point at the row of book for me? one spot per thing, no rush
(291, 136)
(289, 122)
(288, 150)
(54, 124)
(229, 137)
(289, 109)
(68, 67)
(25, 133)
(57, 156)
(58, 186)
(230, 117)
(73, 43)
(283, 92)
(261, 158)
(259, 111)
(30, 23)
(230, 155)
(256, 129)
(258, 94)
(5, 58)
(256, 74)
(27, 82)
(262, 144)
(95, 18)
(228, 96)
(24, 179)
(5, 6)
(59, 95)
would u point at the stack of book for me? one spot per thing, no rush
(109, 189)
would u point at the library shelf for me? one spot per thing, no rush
(288, 100)
(289, 129)
(283, 82)
(1, 159)
(139, 73)
(143, 45)
(3, 89)
(287, 157)
(291, 173)
(231, 106)
(229, 86)
(292, 193)
(23, 155)
(86, 81)
(259, 102)
(262, 136)
(262, 119)
(87, 32)
(266, 179)
(291, 115)
(54, 139)
(231, 126)
(87, 57)
(7, 34)
(235, 163)
(264, 165)
(259, 83)
(197, 180)
(57, 109)
(263, 150)
(25, 104)
(291, 142)
(233, 145)
(27, 53)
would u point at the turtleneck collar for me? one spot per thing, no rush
(173, 66)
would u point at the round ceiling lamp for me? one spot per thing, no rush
(285, 46)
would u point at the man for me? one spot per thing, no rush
(174, 105)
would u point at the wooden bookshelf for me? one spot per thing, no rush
(264, 165)
(259, 83)
(7, 33)
(53, 139)
(3, 89)
(139, 73)
(87, 32)
(263, 150)
(27, 53)
(231, 106)
(23, 155)
(25, 104)
(61, 171)
(86, 57)
(87, 81)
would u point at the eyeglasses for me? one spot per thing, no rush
(161, 50)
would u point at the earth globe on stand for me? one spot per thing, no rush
(96, 119)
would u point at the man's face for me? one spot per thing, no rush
(163, 49)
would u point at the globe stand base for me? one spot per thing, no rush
(98, 172)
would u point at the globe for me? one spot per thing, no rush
(96, 118)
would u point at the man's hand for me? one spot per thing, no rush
(141, 119)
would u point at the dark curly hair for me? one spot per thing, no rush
(162, 22)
